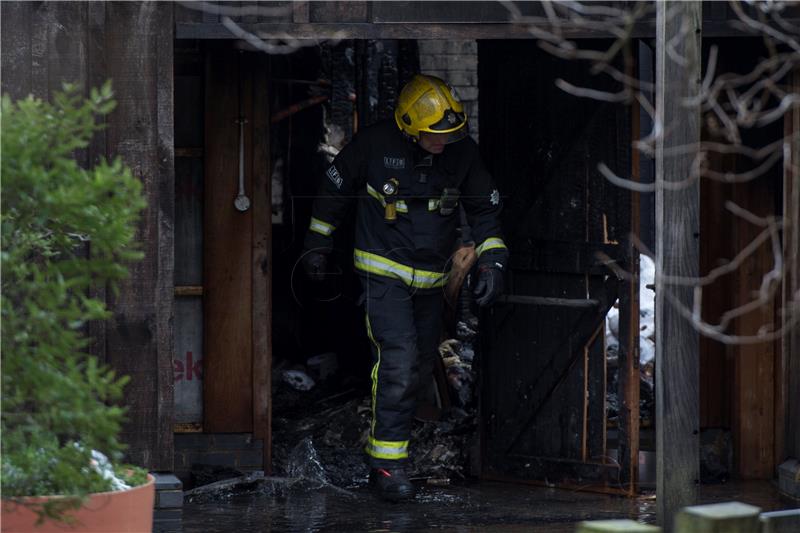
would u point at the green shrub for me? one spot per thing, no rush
(65, 230)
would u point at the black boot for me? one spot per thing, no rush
(391, 484)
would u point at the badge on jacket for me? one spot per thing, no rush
(394, 163)
(335, 177)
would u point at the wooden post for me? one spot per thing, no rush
(615, 526)
(629, 306)
(780, 521)
(728, 517)
(140, 343)
(677, 224)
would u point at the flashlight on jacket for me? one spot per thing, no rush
(389, 189)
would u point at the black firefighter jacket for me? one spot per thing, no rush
(415, 249)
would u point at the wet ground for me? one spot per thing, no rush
(484, 506)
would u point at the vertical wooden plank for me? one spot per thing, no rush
(677, 428)
(790, 342)
(628, 384)
(164, 40)
(715, 246)
(67, 50)
(139, 334)
(262, 259)
(227, 254)
(189, 221)
(41, 22)
(15, 48)
(753, 395)
(96, 76)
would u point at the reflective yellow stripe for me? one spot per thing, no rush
(375, 264)
(433, 204)
(381, 449)
(375, 194)
(384, 449)
(490, 244)
(401, 206)
(321, 227)
(374, 375)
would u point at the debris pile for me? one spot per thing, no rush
(319, 431)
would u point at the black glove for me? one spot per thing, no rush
(315, 264)
(489, 286)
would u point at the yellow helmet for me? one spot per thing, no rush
(428, 104)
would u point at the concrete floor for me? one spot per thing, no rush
(484, 506)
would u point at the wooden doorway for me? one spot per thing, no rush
(236, 257)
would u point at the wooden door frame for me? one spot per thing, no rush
(252, 67)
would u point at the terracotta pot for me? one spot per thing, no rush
(129, 511)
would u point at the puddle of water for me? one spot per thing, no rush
(486, 507)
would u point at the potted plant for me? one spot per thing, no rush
(65, 231)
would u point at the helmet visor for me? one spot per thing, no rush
(452, 124)
(451, 121)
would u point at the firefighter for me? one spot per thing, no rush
(407, 177)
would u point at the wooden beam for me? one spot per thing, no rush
(140, 334)
(677, 225)
(388, 30)
(423, 30)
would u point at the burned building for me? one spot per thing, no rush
(229, 115)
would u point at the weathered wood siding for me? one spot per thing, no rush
(45, 44)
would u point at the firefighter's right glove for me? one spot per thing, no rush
(489, 286)
(315, 264)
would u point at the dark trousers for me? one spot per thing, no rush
(404, 327)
